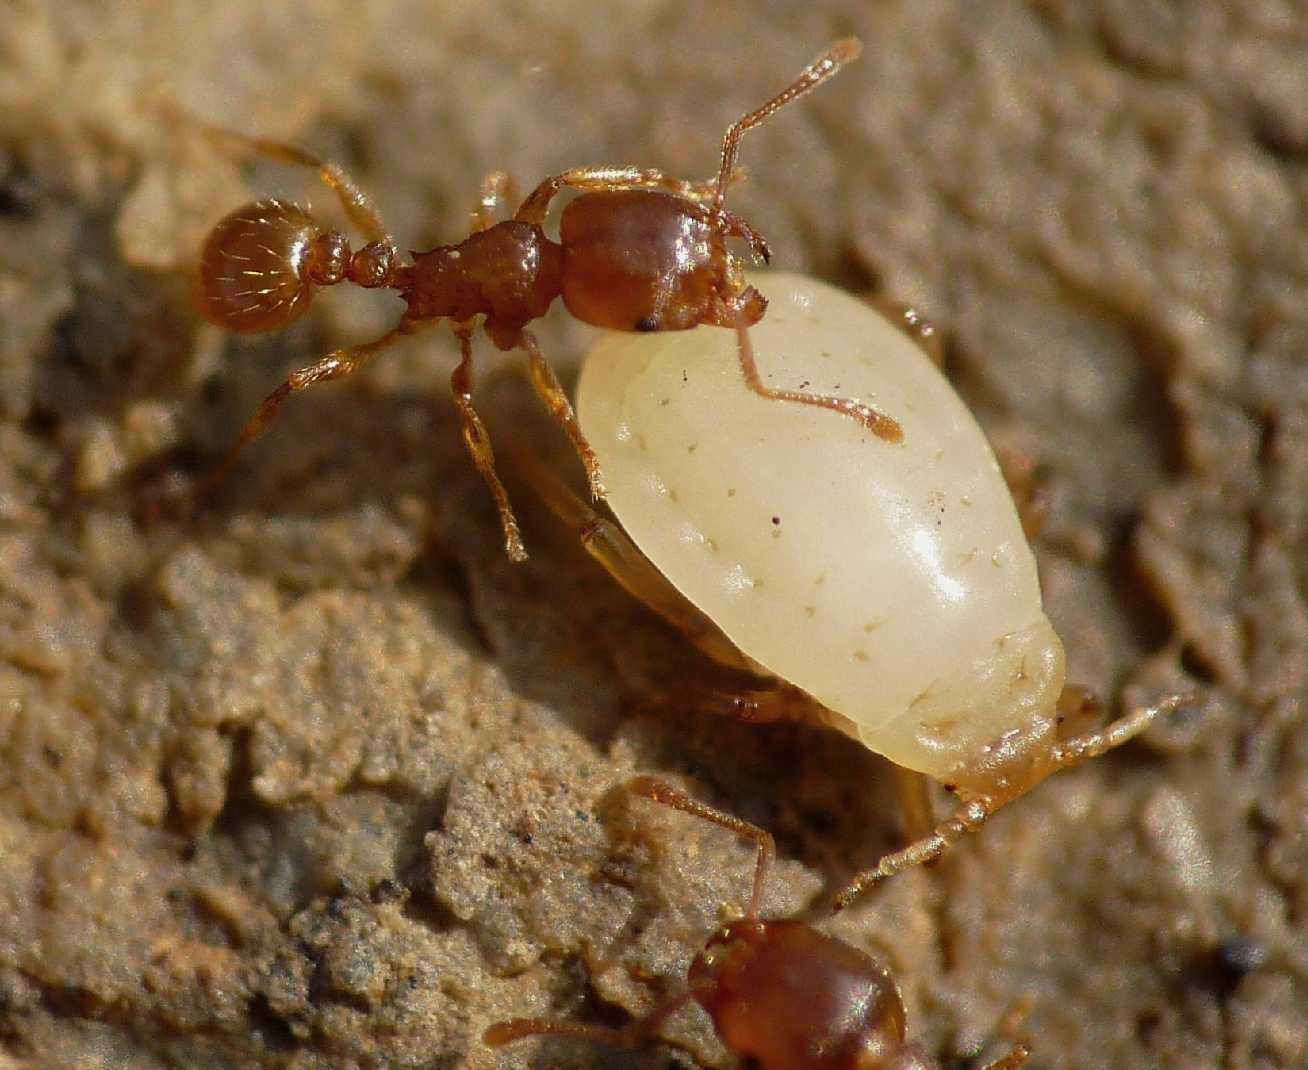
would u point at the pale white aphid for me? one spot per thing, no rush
(890, 581)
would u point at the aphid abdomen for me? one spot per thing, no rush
(892, 582)
(639, 260)
(253, 269)
(774, 987)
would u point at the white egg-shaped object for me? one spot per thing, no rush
(890, 581)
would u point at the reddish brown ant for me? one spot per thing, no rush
(779, 992)
(638, 251)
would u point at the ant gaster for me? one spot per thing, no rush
(779, 992)
(638, 251)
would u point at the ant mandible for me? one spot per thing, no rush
(779, 991)
(638, 251)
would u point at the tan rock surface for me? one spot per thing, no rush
(321, 780)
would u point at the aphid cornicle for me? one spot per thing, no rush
(637, 251)
(888, 590)
(780, 993)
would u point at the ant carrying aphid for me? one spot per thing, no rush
(779, 992)
(638, 251)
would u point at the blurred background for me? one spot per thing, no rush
(316, 778)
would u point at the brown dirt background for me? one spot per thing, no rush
(320, 780)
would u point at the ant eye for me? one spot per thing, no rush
(647, 324)
(255, 267)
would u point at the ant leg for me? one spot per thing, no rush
(842, 52)
(496, 188)
(478, 445)
(548, 388)
(660, 792)
(883, 426)
(335, 365)
(361, 209)
(590, 179)
(738, 228)
(629, 1036)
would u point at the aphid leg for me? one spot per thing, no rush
(1013, 1059)
(883, 426)
(842, 52)
(361, 209)
(589, 179)
(1009, 1028)
(629, 1036)
(478, 444)
(1019, 463)
(556, 400)
(665, 794)
(335, 365)
(968, 818)
(496, 188)
(973, 812)
(916, 814)
(1082, 748)
(609, 545)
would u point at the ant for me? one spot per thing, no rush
(779, 992)
(638, 251)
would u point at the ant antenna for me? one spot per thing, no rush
(838, 55)
(661, 792)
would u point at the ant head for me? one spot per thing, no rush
(261, 263)
(725, 949)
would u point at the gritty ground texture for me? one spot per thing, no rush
(318, 779)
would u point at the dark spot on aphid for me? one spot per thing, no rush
(646, 324)
(805, 384)
(776, 520)
(684, 377)
(665, 403)
(692, 447)
(810, 611)
(731, 492)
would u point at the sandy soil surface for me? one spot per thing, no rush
(318, 779)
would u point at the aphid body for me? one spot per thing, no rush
(780, 992)
(891, 582)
